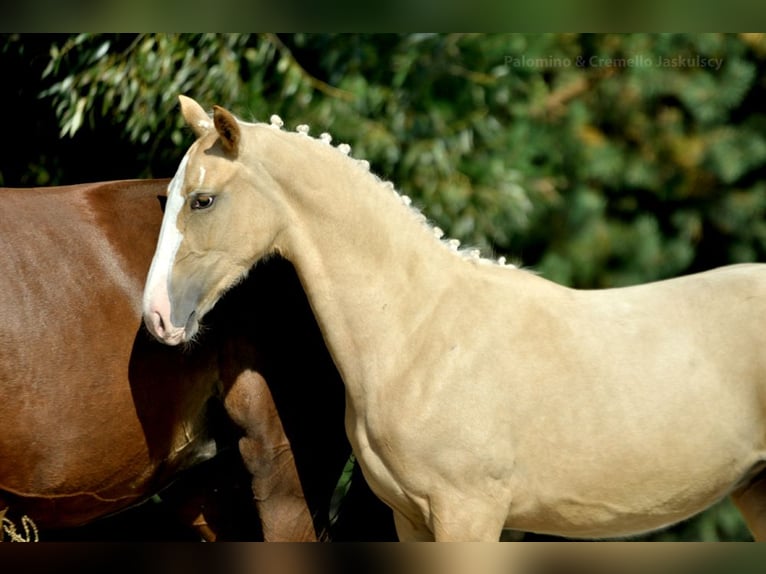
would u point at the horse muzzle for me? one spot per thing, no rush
(163, 330)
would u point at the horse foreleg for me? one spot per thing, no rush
(457, 518)
(469, 521)
(268, 457)
(408, 531)
(751, 502)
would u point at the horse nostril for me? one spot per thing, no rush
(157, 324)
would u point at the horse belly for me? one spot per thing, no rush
(602, 512)
(617, 474)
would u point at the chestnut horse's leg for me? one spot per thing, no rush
(751, 502)
(267, 455)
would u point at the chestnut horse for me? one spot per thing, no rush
(479, 396)
(96, 416)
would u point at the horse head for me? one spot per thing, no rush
(220, 218)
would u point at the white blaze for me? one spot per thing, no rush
(156, 293)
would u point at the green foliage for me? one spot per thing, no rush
(134, 80)
(598, 160)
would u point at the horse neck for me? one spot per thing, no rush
(372, 270)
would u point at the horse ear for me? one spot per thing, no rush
(195, 116)
(228, 129)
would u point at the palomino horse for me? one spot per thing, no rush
(96, 415)
(479, 396)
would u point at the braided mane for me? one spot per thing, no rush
(468, 253)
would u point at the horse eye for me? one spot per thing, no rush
(202, 202)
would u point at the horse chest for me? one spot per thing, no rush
(384, 468)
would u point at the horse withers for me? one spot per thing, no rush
(96, 416)
(479, 396)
